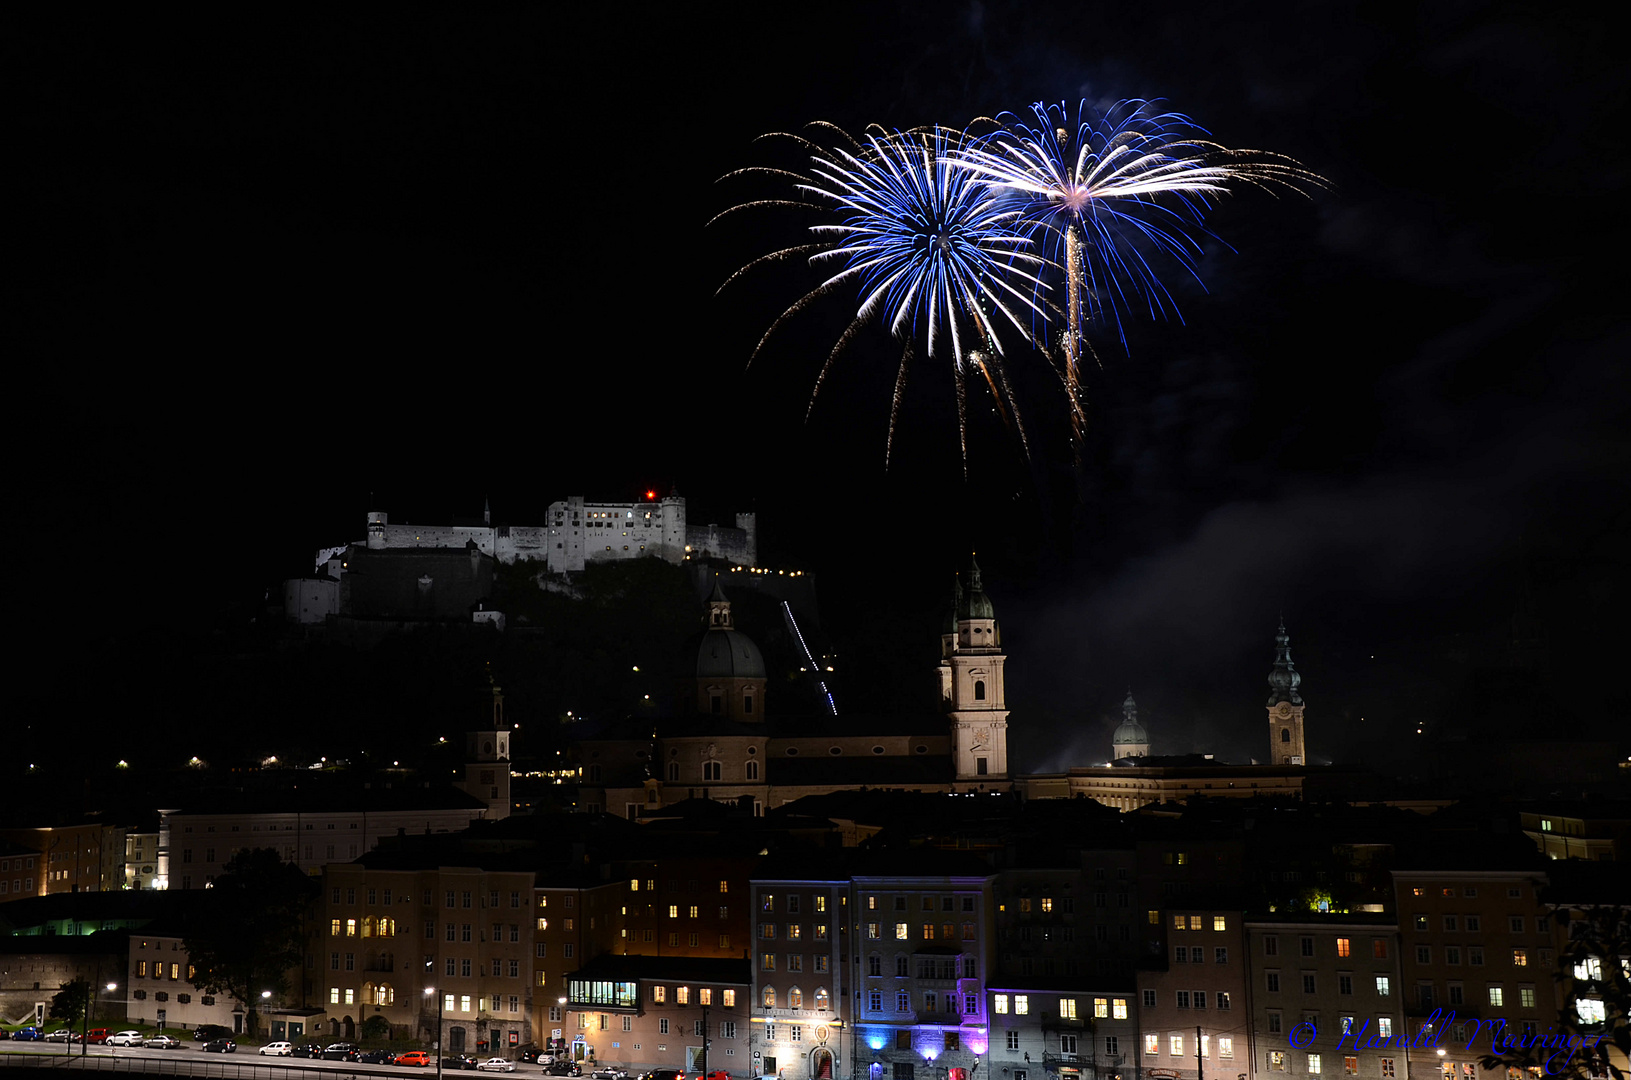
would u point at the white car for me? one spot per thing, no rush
(277, 1049)
(125, 1038)
(496, 1064)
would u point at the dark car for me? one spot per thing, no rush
(377, 1057)
(307, 1050)
(459, 1061)
(568, 1068)
(664, 1074)
(220, 1046)
(342, 1051)
(207, 1032)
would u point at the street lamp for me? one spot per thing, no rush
(429, 990)
(85, 1027)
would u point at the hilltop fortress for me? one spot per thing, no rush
(578, 532)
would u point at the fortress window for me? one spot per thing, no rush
(747, 702)
(1285, 734)
(753, 770)
(979, 689)
(877, 749)
(920, 749)
(835, 750)
(792, 751)
(711, 770)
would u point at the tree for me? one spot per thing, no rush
(1593, 967)
(69, 1004)
(248, 936)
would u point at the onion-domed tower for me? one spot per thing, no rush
(729, 671)
(1285, 705)
(1130, 739)
(979, 708)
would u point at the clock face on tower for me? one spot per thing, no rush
(1285, 709)
(981, 737)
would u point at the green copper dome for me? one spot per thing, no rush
(973, 603)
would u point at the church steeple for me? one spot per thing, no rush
(1285, 705)
(972, 677)
(1283, 677)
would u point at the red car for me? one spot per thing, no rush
(414, 1057)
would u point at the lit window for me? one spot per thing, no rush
(1022, 1004)
(1220, 922)
(730, 999)
(1067, 1008)
(659, 994)
(1497, 996)
(1383, 986)
(1000, 1003)
(1152, 1044)
(1175, 1045)
(1314, 1063)
(1101, 1007)
(1118, 1008)
(1344, 946)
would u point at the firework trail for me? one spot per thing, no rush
(930, 248)
(1123, 186)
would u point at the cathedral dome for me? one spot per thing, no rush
(722, 651)
(727, 654)
(1130, 732)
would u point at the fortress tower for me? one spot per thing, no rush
(979, 709)
(1285, 706)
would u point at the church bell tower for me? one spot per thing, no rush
(978, 706)
(1285, 706)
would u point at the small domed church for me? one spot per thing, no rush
(727, 746)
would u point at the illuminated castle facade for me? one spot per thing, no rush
(578, 532)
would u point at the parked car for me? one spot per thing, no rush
(664, 1074)
(162, 1042)
(413, 1057)
(125, 1038)
(717, 1074)
(4, 1034)
(206, 1032)
(276, 1049)
(307, 1050)
(459, 1061)
(28, 1034)
(377, 1057)
(535, 1056)
(572, 1068)
(496, 1064)
(96, 1036)
(220, 1046)
(342, 1051)
(606, 1072)
(62, 1035)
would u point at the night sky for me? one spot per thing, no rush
(272, 267)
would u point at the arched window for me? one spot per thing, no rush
(367, 926)
(979, 689)
(674, 772)
(711, 770)
(747, 704)
(822, 1002)
(770, 997)
(753, 770)
(795, 998)
(1285, 734)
